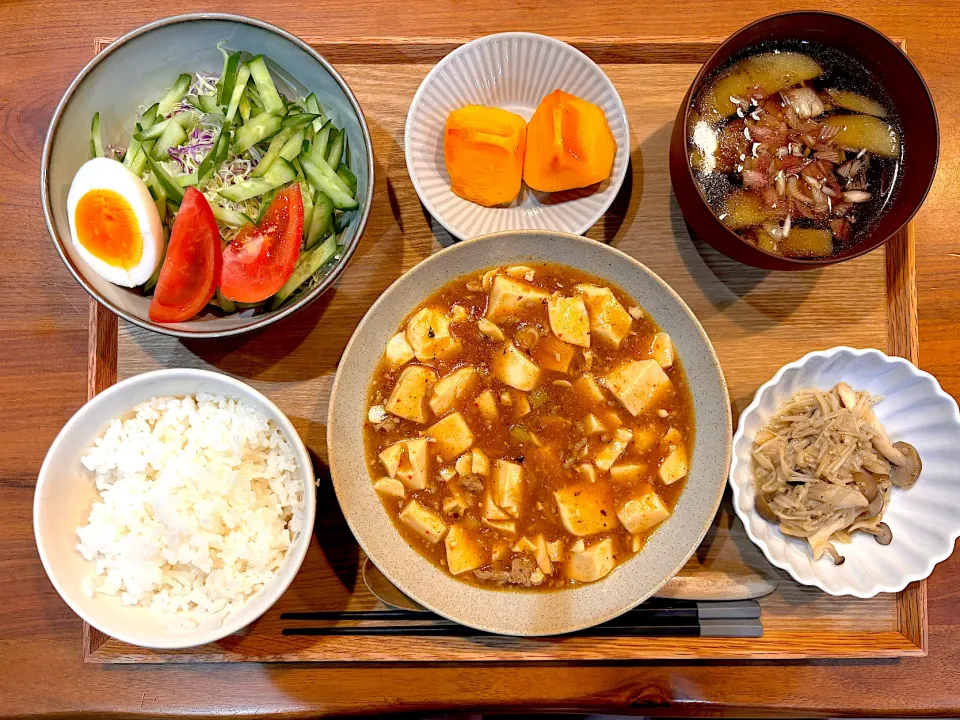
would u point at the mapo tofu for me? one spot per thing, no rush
(529, 426)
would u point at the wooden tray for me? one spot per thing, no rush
(757, 320)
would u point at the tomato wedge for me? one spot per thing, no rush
(191, 268)
(262, 257)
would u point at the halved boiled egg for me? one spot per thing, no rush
(114, 221)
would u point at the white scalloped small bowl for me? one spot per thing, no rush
(513, 71)
(925, 520)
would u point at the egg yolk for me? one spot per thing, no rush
(107, 227)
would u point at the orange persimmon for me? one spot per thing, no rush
(569, 144)
(483, 150)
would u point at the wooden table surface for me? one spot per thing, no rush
(44, 315)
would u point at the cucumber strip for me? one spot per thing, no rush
(313, 105)
(265, 202)
(149, 119)
(170, 187)
(265, 87)
(257, 130)
(319, 150)
(230, 217)
(298, 120)
(189, 180)
(243, 74)
(280, 174)
(159, 195)
(251, 92)
(228, 78)
(321, 223)
(273, 152)
(310, 263)
(248, 306)
(173, 136)
(96, 141)
(326, 180)
(184, 120)
(174, 94)
(244, 107)
(217, 153)
(306, 196)
(139, 163)
(228, 306)
(152, 281)
(345, 174)
(291, 148)
(208, 103)
(336, 148)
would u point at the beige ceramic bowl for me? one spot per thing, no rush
(512, 612)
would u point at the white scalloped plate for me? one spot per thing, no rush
(925, 520)
(513, 71)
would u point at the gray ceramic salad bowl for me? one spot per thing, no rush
(139, 67)
(526, 612)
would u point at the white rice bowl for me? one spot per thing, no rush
(200, 499)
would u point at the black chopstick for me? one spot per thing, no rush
(736, 610)
(728, 629)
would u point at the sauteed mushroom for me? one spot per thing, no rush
(824, 469)
(905, 474)
(766, 512)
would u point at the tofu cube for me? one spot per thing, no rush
(490, 329)
(513, 368)
(543, 555)
(569, 320)
(451, 436)
(662, 350)
(464, 464)
(523, 545)
(481, 463)
(390, 487)
(629, 473)
(593, 426)
(428, 333)
(674, 466)
(508, 486)
(555, 550)
(589, 389)
(455, 505)
(408, 399)
(553, 354)
(645, 439)
(414, 464)
(492, 511)
(399, 351)
(585, 508)
(464, 553)
(423, 521)
(614, 449)
(521, 405)
(592, 563)
(643, 512)
(588, 472)
(453, 388)
(609, 321)
(638, 384)
(487, 406)
(391, 456)
(511, 297)
(507, 527)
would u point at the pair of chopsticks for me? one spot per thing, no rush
(674, 618)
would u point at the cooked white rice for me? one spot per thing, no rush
(200, 500)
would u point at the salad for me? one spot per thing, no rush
(253, 190)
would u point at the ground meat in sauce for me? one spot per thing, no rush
(520, 573)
